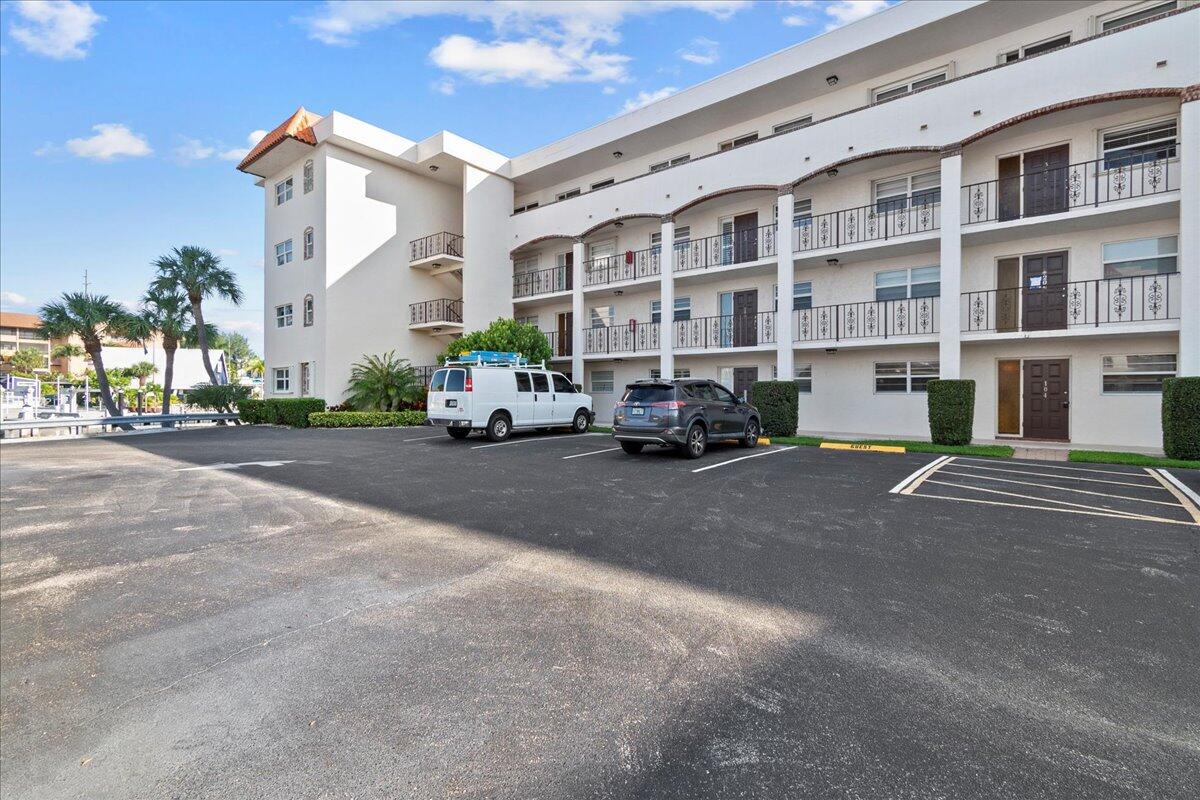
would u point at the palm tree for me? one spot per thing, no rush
(198, 273)
(88, 316)
(141, 371)
(168, 314)
(383, 383)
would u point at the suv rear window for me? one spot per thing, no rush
(648, 394)
(438, 382)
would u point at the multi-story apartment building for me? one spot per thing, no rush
(1001, 191)
(23, 332)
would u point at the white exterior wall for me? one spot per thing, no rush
(487, 290)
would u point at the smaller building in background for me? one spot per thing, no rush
(189, 366)
(21, 332)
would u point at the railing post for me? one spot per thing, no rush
(1097, 304)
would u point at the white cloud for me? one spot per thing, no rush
(13, 298)
(795, 21)
(646, 98)
(111, 140)
(535, 43)
(838, 12)
(444, 86)
(609, 90)
(238, 153)
(190, 150)
(701, 51)
(241, 325)
(225, 252)
(57, 29)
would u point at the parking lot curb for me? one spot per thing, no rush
(872, 448)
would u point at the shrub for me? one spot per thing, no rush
(951, 411)
(777, 403)
(252, 412)
(291, 411)
(383, 383)
(1181, 418)
(366, 419)
(218, 397)
(506, 336)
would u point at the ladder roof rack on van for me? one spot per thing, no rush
(491, 358)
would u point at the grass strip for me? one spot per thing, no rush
(1129, 459)
(982, 450)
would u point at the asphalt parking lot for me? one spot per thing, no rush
(392, 613)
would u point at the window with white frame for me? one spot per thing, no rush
(901, 284)
(1140, 143)
(602, 381)
(283, 315)
(283, 253)
(526, 207)
(528, 320)
(908, 85)
(894, 194)
(904, 377)
(308, 243)
(737, 141)
(308, 176)
(1157, 255)
(683, 234)
(603, 183)
(801, 212)
(801, 296)
(683, 309)
(308, 310)
(601, 316)
(792, 125)
(569, 193)
(525, 263)
(283, 191)
(671, 162)
(1141, 374)
(282, 379)
(1135, 13)
(1040, 46)
(683, 372)
(801, 374)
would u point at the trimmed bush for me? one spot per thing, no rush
(366, 419)
(252, 412)
(226, 397)
(1181, 418)
(951, 411)
(291, 411)
(778, 406)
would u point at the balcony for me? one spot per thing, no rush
(867, 320)
(560, 344)
(865, 224)
(438, 252)
(729, 331)
(542, 281)
(726, 249)
(1105, 303)
(631, 265)
(634, 337)
(436, 316)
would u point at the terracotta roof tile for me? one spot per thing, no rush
(15, 319)
(298, 126)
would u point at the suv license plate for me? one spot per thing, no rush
(637, 412)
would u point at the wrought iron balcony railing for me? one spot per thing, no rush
(560, 343)
(629, 338)
(871, 223)
(729, 330)
(724, 249)
(433, 311)
(542, 281)
(425, 372)
(870, 319)
(436, 244)
(627, 266)
(1057, 306)
(1058, 189)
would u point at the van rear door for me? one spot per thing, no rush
(448, 398)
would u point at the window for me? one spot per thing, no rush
(1136, 374)
(670, 162)
(308, 310)
(569, 193)
(283, 316)
(308, 176)
(683, 309)
(456, 380)
(525, 263)
(683, 234)
(1154, 256)
(794, 125)
(283, 253)
(601, 316)
(1034, 49)
(901, 284)
(737, 141)
(1137, 144)
(801, 212)
(656, 374)
(801, 296)
(283, 380)
(438, 382)
(540, 382)
(603, 183)
(523, 382)
(526, 207)
(529, 320)
(895, 194)
(561, 384)
(602, 381)
(897, 377)
(308, 243)
(802, 374)
(1135, 13)
(283, 192)
(305, 378)
(909, 85)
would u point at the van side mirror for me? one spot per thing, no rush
(578, 387)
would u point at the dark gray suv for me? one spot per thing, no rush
(686, 414)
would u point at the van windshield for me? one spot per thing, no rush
(438, 382)
(649, 394)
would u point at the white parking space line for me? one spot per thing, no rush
(1186, 497)
(535, 439)
(1110, 511)
(743, 458)
(1126, 473)
(592, 453)
(1147, 485)
(1051, 508)
(425, 438)
(920, 473)
(1170, 503)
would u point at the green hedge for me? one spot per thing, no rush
(1181, 418)
(291, 411)
(366, 419)
(951, 411)
(778, 406)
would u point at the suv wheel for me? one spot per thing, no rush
(580, 423)
(499, 428)
(696, 442)
(633, 448)
(751, 437)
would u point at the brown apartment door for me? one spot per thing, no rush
(568, 271)
(1008, 190)
(1046, 403)
(564, 334)
(1046, 180)
(1044, 292)
(745, 237)
(1008, 294)
(745, 314)
(743, 377)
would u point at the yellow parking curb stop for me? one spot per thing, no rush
(873, 448)
(763, 440)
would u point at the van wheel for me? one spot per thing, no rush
(751, 437)
(458, 433)
(580, 423)
(499, 427)
(633, 448)
(696, 442)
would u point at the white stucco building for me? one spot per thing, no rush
(1001, 191)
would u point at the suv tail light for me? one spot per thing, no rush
(671, 405)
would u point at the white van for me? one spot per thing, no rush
(499, 397)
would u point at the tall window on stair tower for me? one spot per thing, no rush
(308, 176)
(308, 310)
(308, 243)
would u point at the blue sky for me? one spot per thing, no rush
(121, 123)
